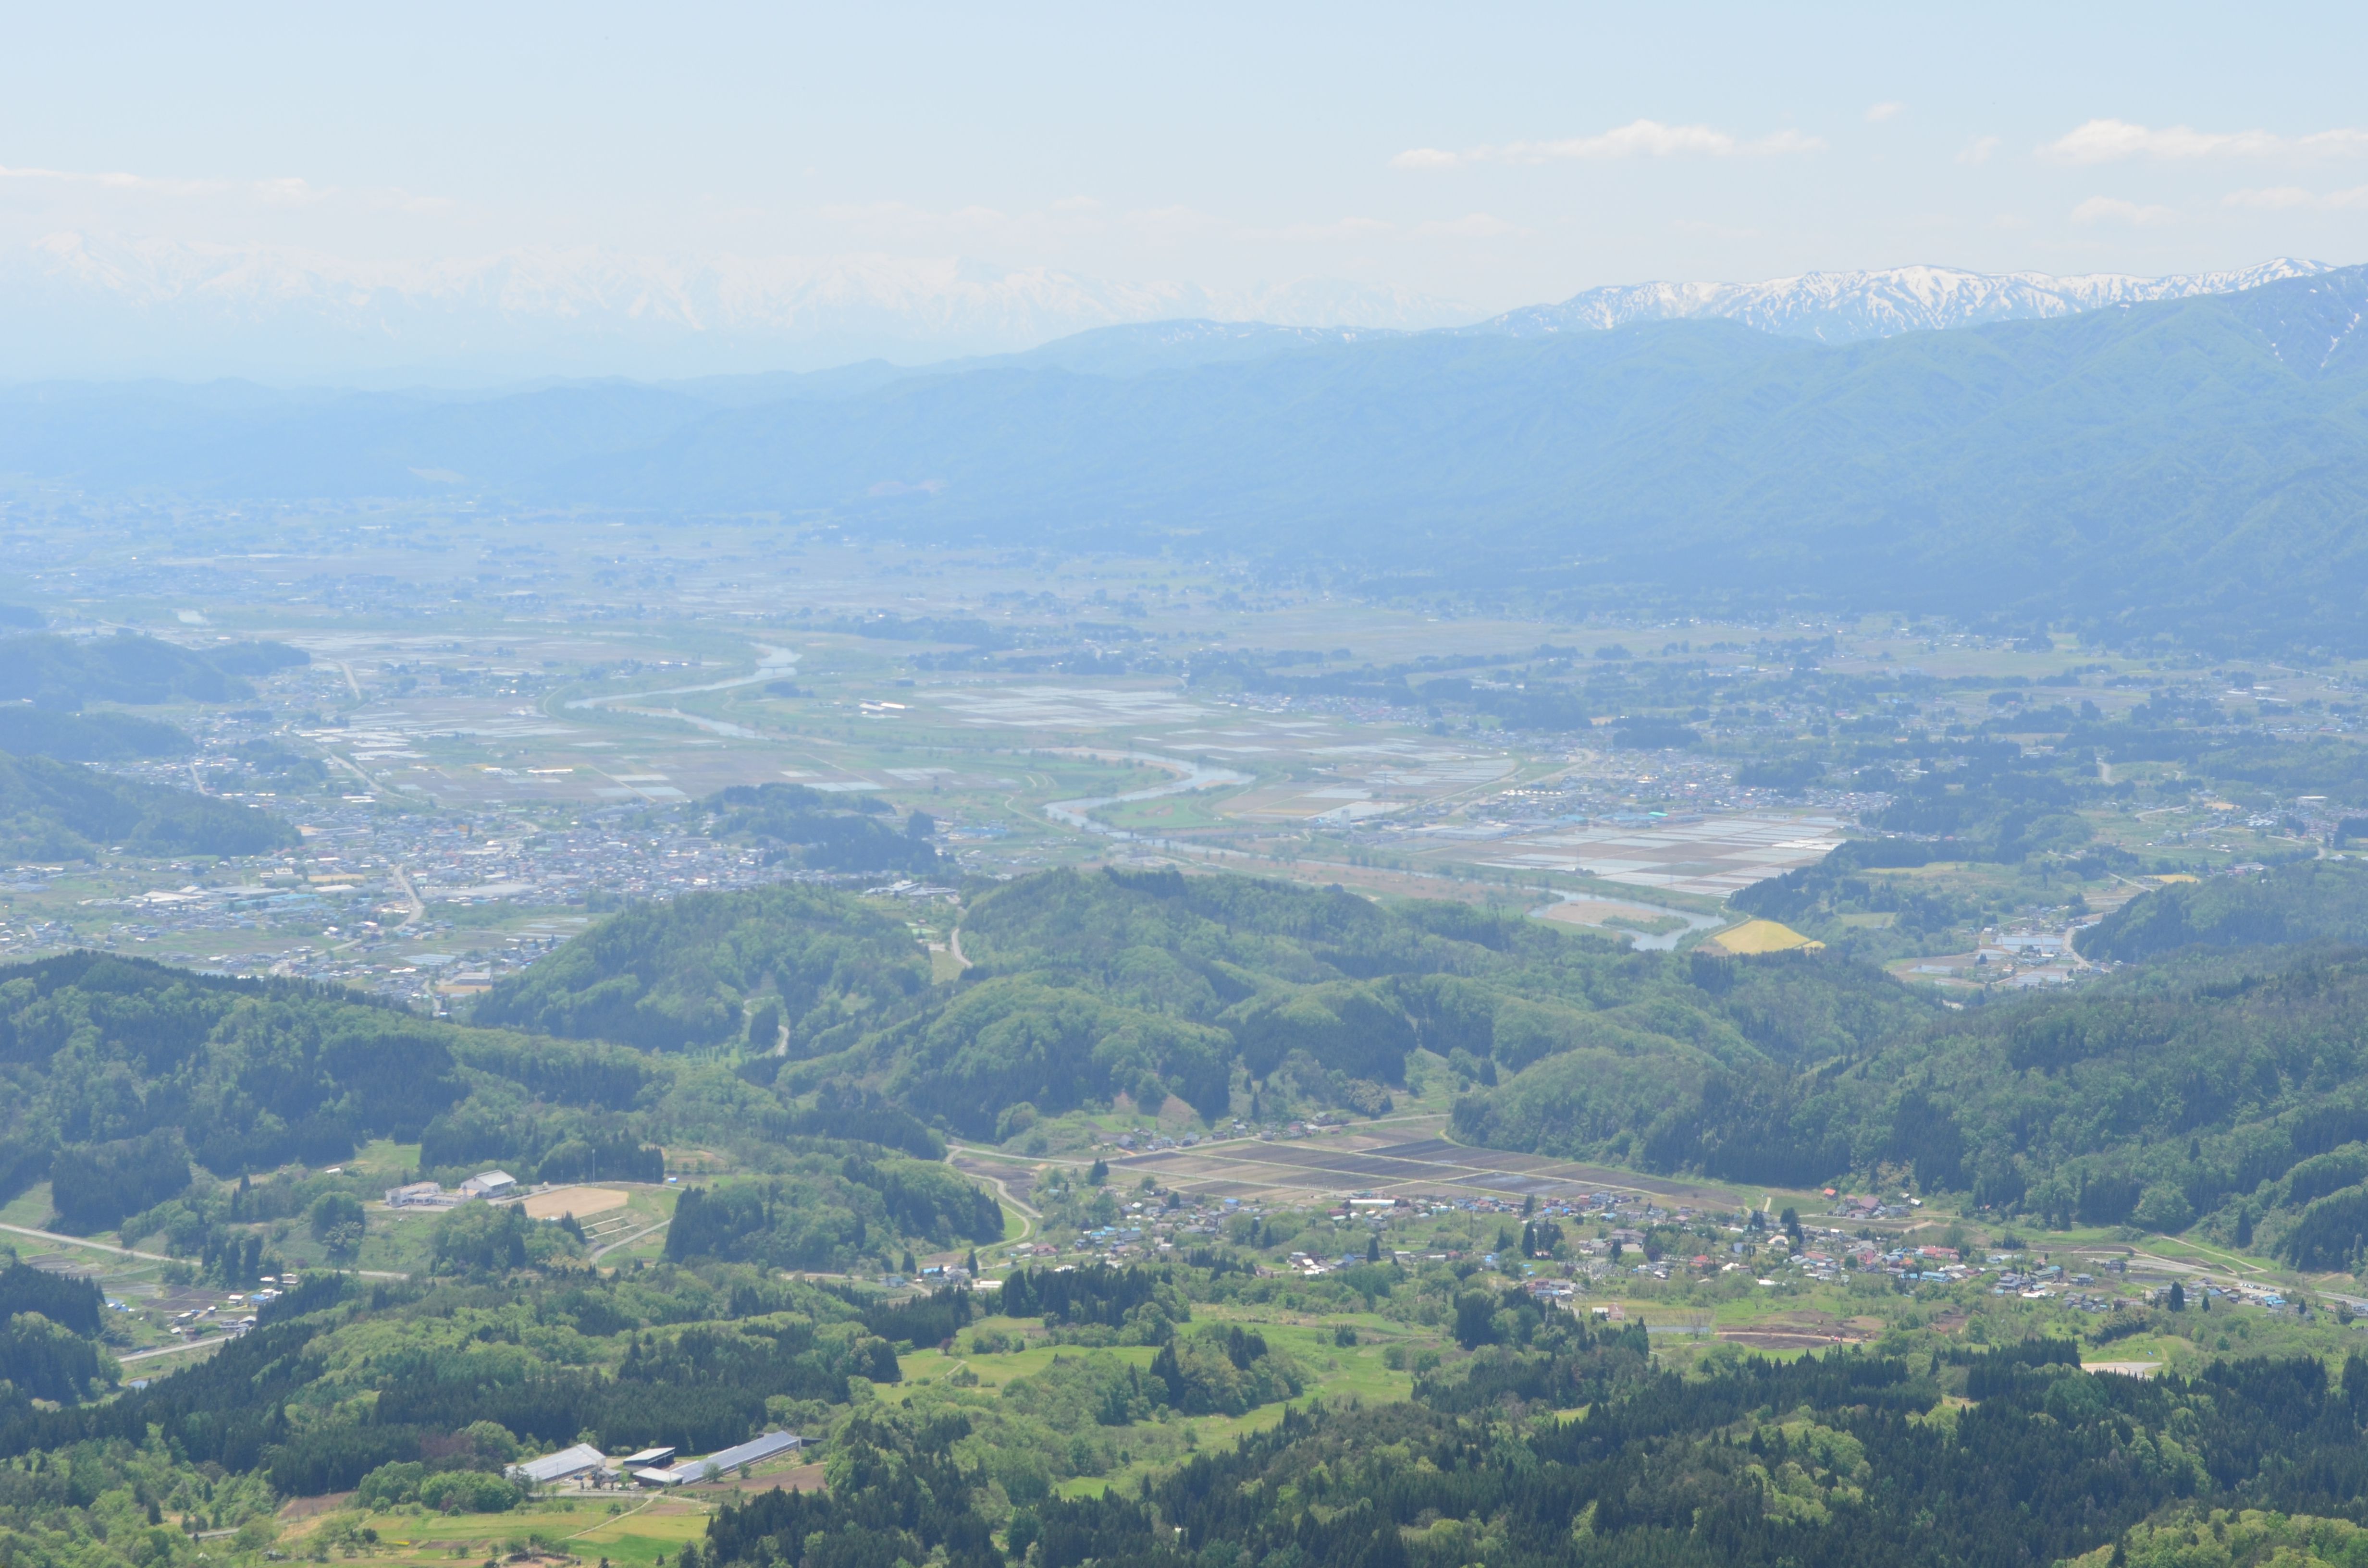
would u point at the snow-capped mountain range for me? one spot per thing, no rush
(1839, 307)
(172, 307)
(76, 306)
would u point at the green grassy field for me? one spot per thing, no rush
(31, 1208)
(632, 1531)
(1336, 1373)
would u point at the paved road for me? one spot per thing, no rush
(153, 1256)
(607, 1248)
(83, 1242)
(216, 1343)
(1029, 1217)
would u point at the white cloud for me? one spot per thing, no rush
(1471, 226)
(2286, 198)
(903, 221)
(1340, 229)
(118, 181)
(1637, 138)
(2114, 210)
(1876, 114)
(1711, 230)
(2275, 199)
(1167, 225)
(2111, 140)
(286, 191)
(891, 223)
(1979, 152)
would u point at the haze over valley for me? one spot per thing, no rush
(1053, 793)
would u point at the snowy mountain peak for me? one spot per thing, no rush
(85, 305)
(1841, 307)
(76, 304)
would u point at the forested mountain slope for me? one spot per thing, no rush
(63, 810)
(2221, 1090)
(2185, 469)
(715, 966)
(2149, 446)
(63, 673)
(2164, 1094)
(2310, 900)
(119, 1075)
(108, 736)
(1216, 989)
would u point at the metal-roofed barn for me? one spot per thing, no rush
(772, 1444)
(567, 1463)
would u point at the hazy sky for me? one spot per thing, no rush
(1494, 155)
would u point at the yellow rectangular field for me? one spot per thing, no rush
(576, 1200)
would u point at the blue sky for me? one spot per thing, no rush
(1488, 154)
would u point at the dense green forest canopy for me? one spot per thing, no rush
(1542, 1437)
(821, 1212)
(2216, 1086)
(2309, 901)
(63, 810)
(661, 1358)
(1221, 989)
(2162, 1095)
(706, 967)
(2003, 1455)
(824, 832)
(63, 673)
(144, 1094)
(105, 736)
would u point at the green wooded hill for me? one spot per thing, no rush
(106, 736)
(61, 811)
(2220, 1087)
(1217, 989)
(2224, 1086)
(1830, 1460)
(2196, 1090)
(140, 1090)
(65, 672)
(806, 827)
(2310, 900)
(710, 966)
(1545, 1442)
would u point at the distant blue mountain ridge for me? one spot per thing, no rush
(2192, 467)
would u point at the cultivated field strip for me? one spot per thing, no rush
(1242, 1167)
